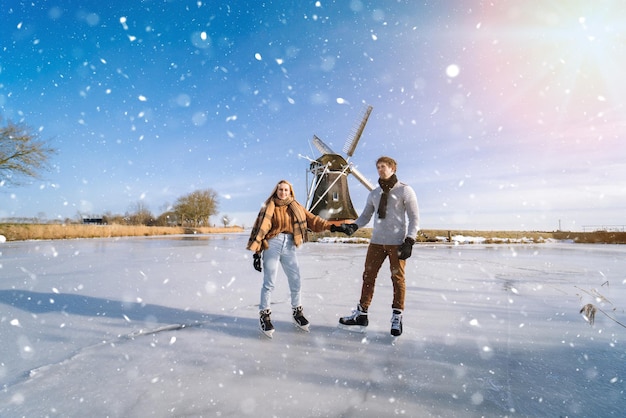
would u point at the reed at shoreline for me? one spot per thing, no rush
(23, 232)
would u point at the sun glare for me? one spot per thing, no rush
(556, 65)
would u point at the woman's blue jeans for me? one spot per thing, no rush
(282, 250)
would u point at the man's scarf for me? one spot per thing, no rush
(385, 185)
(263, 223)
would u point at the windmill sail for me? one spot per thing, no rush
(361, 178)
(321, 146)
(356, 133)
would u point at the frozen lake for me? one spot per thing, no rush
(154, 326)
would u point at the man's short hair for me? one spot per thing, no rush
(389, 161)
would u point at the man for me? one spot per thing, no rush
(391, 204)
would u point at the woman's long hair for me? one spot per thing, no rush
(275, 191)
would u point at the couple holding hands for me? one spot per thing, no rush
(281, 227)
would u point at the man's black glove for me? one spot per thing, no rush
(406, 248)
(347, 229)
(257, 261)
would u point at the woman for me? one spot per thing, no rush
(280, 227)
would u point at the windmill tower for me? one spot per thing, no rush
(327, 194)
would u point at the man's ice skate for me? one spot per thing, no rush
(299, 319)
(356, 322)
(266, 323)
(396, 323)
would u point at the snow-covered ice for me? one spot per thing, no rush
(167, 326)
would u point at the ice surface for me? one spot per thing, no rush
(156, 326)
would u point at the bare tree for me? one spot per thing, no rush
(139, 214)
(195, 208)
(22, 154)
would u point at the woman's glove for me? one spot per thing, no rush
(406, 248)
(257, 261)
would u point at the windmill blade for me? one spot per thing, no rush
(360, 177)
(356, 133)
(321, 146)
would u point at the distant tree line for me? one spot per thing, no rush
(191, 210)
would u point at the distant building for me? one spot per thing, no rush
(93, 221)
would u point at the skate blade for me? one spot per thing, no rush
(302, 328)
(353, 328)
(269, 334)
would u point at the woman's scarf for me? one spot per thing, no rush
(298, 218)
(385, 185)
(263, 223)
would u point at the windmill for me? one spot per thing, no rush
(327, 193)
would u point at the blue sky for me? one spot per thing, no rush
(501, 115)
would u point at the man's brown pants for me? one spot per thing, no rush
(374, 259)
